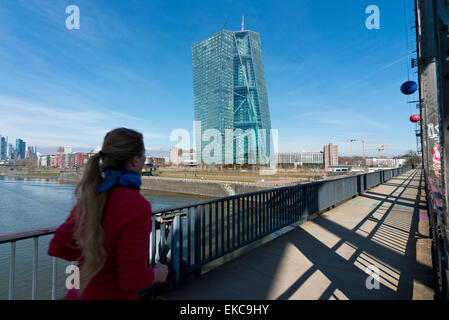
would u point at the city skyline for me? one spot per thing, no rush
(16, 151)
(324, 75)
(50, 150)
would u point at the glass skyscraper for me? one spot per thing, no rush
(230, 97)
(3, 147)
(20, 149)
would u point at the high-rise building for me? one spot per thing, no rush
(31, 152)
(230, 98)
(20, 149)
(330, 155)
(11, 152)
(175, 156)
(3, 147)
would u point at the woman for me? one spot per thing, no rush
(108, 229)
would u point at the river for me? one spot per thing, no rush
(29, 203)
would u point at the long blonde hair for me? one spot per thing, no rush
(119, 146)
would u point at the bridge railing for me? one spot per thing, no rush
(188, 237)
(208, 230)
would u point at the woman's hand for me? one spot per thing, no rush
(160, 272)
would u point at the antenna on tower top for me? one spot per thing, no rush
(243, 23)
(226, 22)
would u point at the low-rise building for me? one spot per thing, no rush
(386, 162)
(155, 161)
(60, 160)
(339, 169)
(300, 158)
(189, 158)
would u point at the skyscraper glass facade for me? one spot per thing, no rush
(3, 147)
(230, 96)
(20, 149)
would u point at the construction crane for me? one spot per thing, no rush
(363, 146)
(378, 152)
(383, 148)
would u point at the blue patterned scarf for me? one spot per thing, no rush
(123, 178)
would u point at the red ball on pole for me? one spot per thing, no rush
(415, 118)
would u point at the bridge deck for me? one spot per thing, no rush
(327, 258)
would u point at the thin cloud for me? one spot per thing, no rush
(43, 125)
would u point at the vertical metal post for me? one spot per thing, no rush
(177, 246)
(216, 229)
(202, 228)
(189, 236)
(248, 221)
(210, 230)
(290, 204)
(276, 208)
(162, 234)
(264, 200)
(12, 268)
(256, 215)
(253, 217)
(153, 241)
(172, 243)
(53, 279)
(243, 222)
(239, 232)
(34, 279)
(270, 210)
(284, 206)
(262, 207)
(222, 227)
(228, 226)
(199, 215)
(233, 223)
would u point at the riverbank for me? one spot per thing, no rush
(210, 184)
(31, 175)
(209, 188)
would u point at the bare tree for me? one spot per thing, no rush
(412, 158)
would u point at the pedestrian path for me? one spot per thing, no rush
(375, 246)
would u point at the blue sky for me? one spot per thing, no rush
(329, 78)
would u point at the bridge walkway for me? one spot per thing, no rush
(330, 257)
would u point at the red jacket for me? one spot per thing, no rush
(127, 227)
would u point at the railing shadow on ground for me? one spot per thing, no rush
(352, 281)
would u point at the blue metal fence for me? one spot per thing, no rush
(205, 231)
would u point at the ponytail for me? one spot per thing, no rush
(119, 146)
(89, 231)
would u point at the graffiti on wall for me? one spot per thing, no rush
(436, 160)
(434, 134)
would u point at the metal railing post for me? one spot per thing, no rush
(53, 280)
(12, 267)
(197, 239)
(34, 280)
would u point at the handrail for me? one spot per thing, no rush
(201, 232)
(4, 238)
(209, 201)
